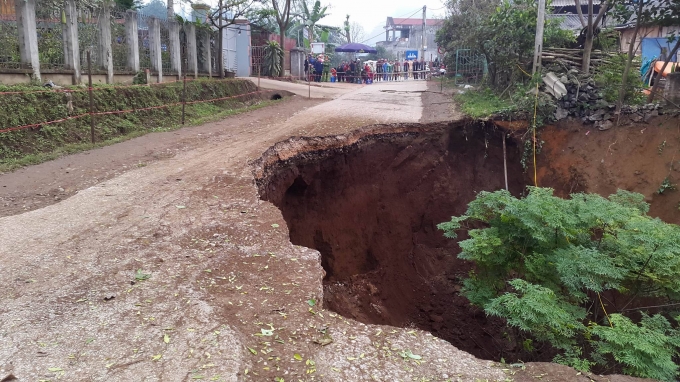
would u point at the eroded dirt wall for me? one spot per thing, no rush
(635, 157)
(371, 209)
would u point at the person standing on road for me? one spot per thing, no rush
(385, 67)
(307, 67)
(397, 70)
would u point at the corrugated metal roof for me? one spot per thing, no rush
(571, 3)
(572, 22)
(569, 21)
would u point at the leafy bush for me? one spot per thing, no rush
(609, 77)
(547, 265)
(272, 59)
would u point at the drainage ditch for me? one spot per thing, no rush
(370, 201)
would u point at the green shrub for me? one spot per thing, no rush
(543, 263)
(36, 106)
(609, 77)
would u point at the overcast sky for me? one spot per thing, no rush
(371, 14)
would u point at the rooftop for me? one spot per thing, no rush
(412, 21)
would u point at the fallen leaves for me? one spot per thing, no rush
(141, 276)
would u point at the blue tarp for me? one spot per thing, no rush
(651, 48)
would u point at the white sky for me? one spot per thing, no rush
(371, 14)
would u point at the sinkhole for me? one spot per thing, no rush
(370, 201)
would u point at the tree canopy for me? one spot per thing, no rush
(502, 31)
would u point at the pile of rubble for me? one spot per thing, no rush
(577, 96)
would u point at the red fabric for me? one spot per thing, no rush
(288, 43)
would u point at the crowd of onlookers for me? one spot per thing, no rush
(369, 71)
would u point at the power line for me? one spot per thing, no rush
(417, 10)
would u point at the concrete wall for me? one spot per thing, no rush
(672, 92)
(297, 63)
(65, 79)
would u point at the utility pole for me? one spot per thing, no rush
(220, 42)
(422, 43)
(538, 45)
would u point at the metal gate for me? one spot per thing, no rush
(470, 66)
(229, 50)
(257, 59)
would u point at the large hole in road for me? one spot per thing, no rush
(370, 202)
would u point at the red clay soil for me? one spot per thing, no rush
(635, 157)
(371, 209)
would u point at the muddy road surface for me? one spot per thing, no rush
(157, 261)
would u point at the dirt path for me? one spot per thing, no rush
(47, 183)
(175, 270)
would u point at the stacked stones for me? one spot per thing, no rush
(585, 101)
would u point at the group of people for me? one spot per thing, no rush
(381, 70)
(314, 67)
(354, 71)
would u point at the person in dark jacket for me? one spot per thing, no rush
(352, 71)
(307, 67)
(318, 70)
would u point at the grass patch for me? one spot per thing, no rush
(197, 114)
(482, 103)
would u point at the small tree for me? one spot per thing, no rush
(272, 59)
(503, 31)
(282, 15)
(312, 15)
(590, 26)
(572, 272)
(643, 13)
(226, 14)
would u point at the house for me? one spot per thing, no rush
(404, 35)
(651, 40)
(566, 12)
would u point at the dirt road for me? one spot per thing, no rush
(159, 262)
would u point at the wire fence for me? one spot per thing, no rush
(9, 42)
(202, 47)
(144, 44)
(88, 36)
(50, 37)
(165, 46)
(119, 43)
(53, 45)
(214, 51)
